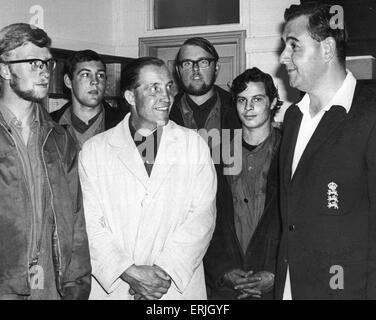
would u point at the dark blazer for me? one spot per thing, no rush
(225, 252)
(229, 115)
(112, 116)
(317, 238)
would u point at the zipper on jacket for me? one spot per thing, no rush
(54, 213)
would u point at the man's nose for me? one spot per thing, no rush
(94, 79)
(284, 57)
(249, 105)
(45, 72)
(195, 66)
(166, 94)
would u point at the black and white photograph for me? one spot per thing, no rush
(196, 153)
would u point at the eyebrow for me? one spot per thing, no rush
(200, 58)
(85, 69)
(255, 95)
(291, 38)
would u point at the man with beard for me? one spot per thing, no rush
(87, 114)
(149, 222)
(201, 104)
(44, 250)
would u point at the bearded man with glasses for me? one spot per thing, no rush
(201, 104)
(44, 249)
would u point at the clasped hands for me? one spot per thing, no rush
(146, 282)
(249, 284)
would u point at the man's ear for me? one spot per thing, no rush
(217, 68)
(177, 70)
(67, 81)
(273, 104)
(4, 71)
(329, 47)
(129, 96)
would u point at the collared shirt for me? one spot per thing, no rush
(80, 125)
(343, 97)
(78, 129)
(40, 224)
(213, 119)
(249, 186)
(32, 168)
(144, 145)
(201, 112)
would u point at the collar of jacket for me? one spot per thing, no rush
(46, 123)
(229, 115)
(112, 116)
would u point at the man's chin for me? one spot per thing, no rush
(162, 122)
(197, 91)
(33, 98)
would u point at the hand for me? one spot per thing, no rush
(263, 281)
(147, 282)
(236, 277)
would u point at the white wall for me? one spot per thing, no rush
(262, 19)
(71, 24)
(115, 26)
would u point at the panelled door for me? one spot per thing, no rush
(230, 47)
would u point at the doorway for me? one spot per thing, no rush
(229, 45)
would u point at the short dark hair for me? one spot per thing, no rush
(17, 34)
(80, 56)
(240, 83)
(131, 71)
(319, 18)
(202, 43)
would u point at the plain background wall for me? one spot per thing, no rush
(262, 20)
(71, 24)
(114, 27)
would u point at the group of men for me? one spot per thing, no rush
(99, 204)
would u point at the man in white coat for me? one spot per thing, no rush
(149, 222)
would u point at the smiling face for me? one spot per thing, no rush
(152, 98)
(197, 81)
(254, 107)
(88, 83)
(302, 55)
(26, 83)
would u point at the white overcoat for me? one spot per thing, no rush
(166, 219)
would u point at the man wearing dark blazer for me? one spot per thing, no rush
(327, 167)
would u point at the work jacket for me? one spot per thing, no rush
(63, 202)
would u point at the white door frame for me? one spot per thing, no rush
(148, 46)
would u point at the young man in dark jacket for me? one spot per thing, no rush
(44, 250)
(87, 114)
(201, 104)
(241, 260)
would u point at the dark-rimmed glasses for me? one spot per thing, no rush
(36, 64)
(202, 63)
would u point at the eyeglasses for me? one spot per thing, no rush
(37, 64)
(201, 63)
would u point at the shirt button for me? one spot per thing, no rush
(292, 227)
